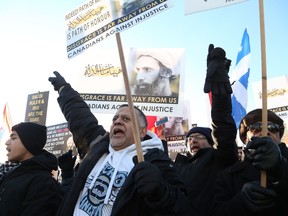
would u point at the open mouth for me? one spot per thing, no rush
(193, 148)
(118, 131)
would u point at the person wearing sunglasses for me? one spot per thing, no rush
(238, 188)
(251, 126)
(209, 151)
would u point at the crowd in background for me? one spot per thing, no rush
(111, 178)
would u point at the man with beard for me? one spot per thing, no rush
(154, 74)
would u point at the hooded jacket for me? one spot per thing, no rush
(100, 157)
(29, 188)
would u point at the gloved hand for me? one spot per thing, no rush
(210, 48)
(58, 81)
(66, 163)
(257, 198)
(217, 79)
(148, 180)
(266, 156)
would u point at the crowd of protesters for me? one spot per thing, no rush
(111, 179)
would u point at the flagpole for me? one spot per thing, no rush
(7, 117)
(130, 101)
(264, 83)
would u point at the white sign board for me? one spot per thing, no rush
(99, 80)
(194, 6)
(277, 95)
(96, 20)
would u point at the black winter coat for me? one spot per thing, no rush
(85, 129)
(29, 188)
(199, 171)
(230, 183)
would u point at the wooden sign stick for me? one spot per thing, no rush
(264, 83)
(130, 101)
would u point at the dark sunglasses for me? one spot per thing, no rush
(257, 127)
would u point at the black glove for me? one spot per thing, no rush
(58, 81)
(257, 198)
(265, 155)
(217, 79)
(148, 180)
(210, 48)
(66, 163)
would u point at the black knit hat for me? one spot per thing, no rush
(33, 136)
(256, 116)
(204, 131)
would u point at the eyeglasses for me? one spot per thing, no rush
(257, 127)
(195, 137)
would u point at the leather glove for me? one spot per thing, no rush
(257, 198)
(66, 163)
(148, 180)
(58, 81)
(217, 79)
(266, 156)
(210, 48)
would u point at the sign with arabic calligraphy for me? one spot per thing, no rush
(98, 79)
(102, 70)
(96, 20)
(277, 98)
(277, 95)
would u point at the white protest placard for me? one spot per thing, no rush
(194, 6)
(98, 79)
(96, 20)
(277, 95)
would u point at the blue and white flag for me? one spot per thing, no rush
(240, 76)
